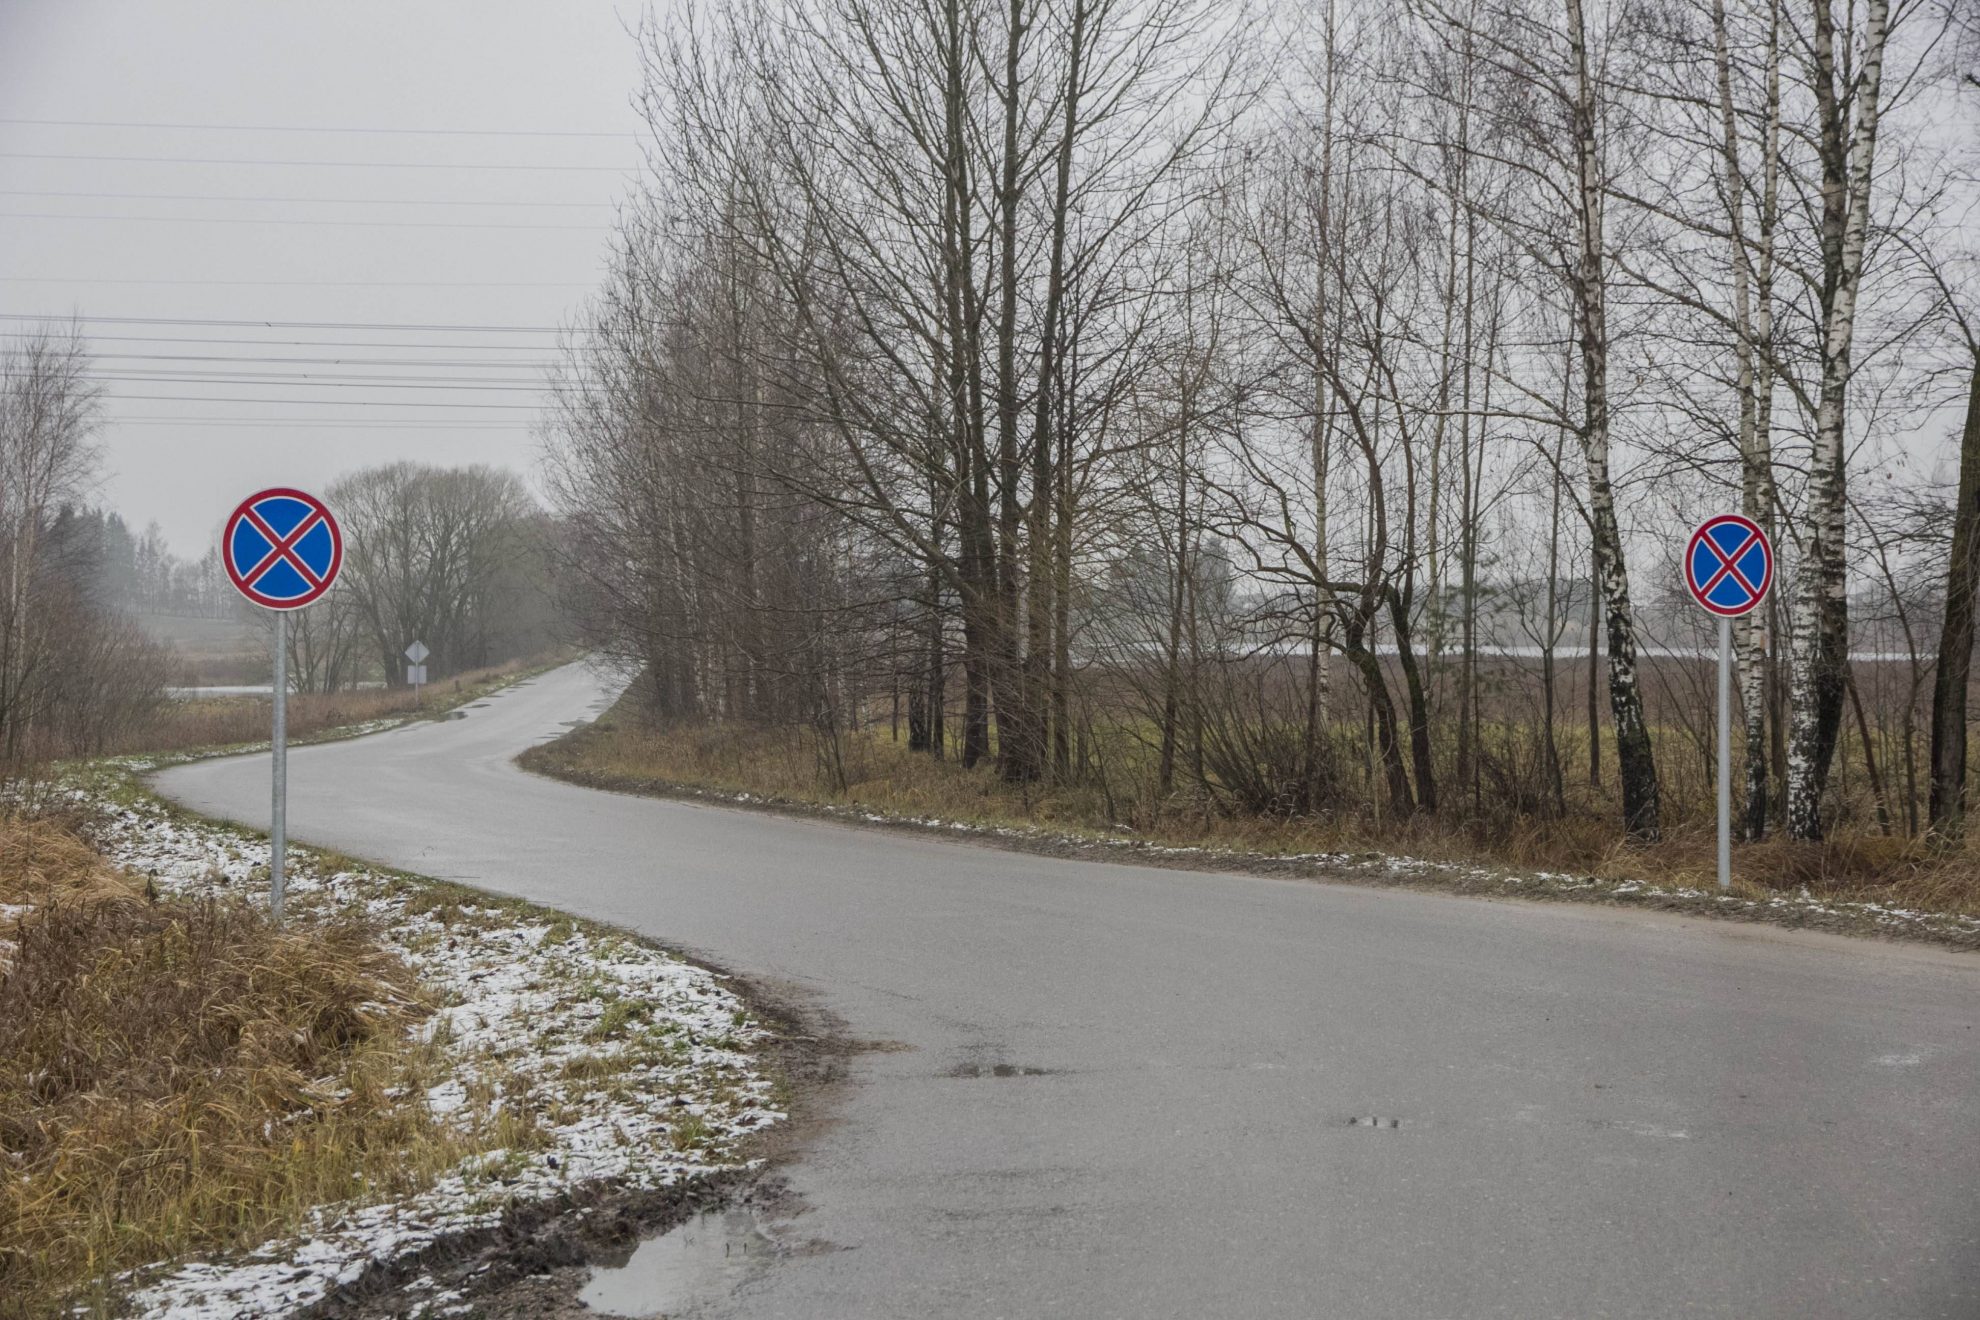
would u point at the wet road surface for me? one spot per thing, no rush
(1140, 1092)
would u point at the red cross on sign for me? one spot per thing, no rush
(282, 548)
(1729, 565)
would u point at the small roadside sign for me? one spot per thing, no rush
(416, 667)
(1728, 568)
(282, 549)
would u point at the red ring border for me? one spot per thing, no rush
(1766, 583)
(336, 548)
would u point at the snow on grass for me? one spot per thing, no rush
(633, 1069)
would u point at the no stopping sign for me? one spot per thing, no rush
(282, 548)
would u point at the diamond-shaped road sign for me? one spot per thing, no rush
(417, 652)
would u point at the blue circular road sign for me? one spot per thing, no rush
(1729, 565)
(282, 548)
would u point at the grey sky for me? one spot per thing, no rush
(507, 69)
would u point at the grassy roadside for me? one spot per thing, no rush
(1858, 885)
(178, 1077)
(177, 1074)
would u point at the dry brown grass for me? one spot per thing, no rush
(43, 861)
(183, 1075)
(1858, 862)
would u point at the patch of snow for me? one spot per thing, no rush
(524, 1026)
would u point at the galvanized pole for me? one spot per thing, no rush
(278, 831)
(1725, 752)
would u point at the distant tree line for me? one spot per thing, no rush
(1310, 398)
(459, 558)
(75, 672)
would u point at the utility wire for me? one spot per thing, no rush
(317, 381)
(316, 164)
(284, 325)
(332, 403)
(366, 424)
(303, 128)
(257, 220)
(308, 284)
(483, 347)
(492, 364)
(314, 201)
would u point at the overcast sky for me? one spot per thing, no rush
(199, 101)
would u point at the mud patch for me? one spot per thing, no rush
(536, 1264)
(690, 1265)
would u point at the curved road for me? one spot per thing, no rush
(1601, 1113)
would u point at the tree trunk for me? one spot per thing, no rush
(1949, 683)
(1821, 626)
(1636, 764)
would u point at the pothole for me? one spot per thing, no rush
(690, 1266)
(1373, 1121)
(997, 1070)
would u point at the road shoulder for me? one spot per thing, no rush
(565, 758)
(610, 1086)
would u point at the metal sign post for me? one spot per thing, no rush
(1725, 752)
(1728, 568)
(282, 550)
(278, 807)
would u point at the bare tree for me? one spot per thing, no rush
(48, 453)
(426, 558)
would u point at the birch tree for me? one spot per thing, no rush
(1847, 92)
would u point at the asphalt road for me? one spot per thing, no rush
(1599, 1113)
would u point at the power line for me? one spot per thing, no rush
(309, 284)
(315, 164)
(320, 403)
(283, 325)
(317, 201)
(288, 343)
(321, 380)
(241, 419)
(365, 424)
(301, 128)
(256, 220)
(491, 364)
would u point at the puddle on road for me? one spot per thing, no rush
(998, 1070)
(701, 1261)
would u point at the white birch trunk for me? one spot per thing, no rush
(1821, 607)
